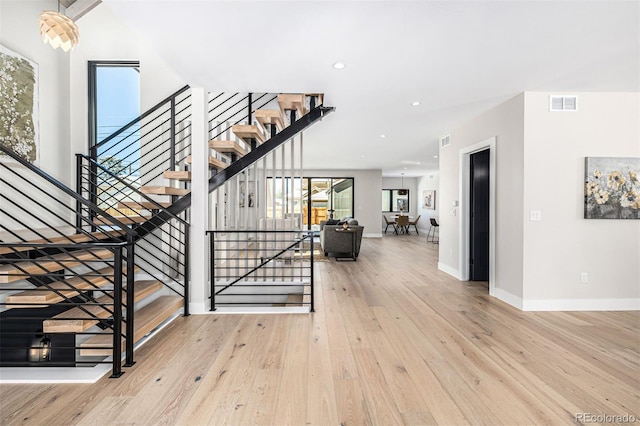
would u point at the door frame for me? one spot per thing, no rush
(464, 222)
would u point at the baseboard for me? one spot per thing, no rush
(508, 298)
(251, 310)
(581, 305)
(372, 235)
(449, 270)
(199, 308)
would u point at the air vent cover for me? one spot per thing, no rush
(445, 141)
(563, 103)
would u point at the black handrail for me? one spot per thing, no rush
(237, 166)
(157, 206)
(91, 206)
(258, 261)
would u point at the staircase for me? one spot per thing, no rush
(98, 268)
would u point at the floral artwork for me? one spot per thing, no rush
(18, 104)
(429, 199)
(612, 188)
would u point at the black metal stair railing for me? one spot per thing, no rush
(22, 328)
(266, 268)
(218, 179)
(38, 226)
(145, 141)
(162, 254)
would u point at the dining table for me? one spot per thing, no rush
(404, 229)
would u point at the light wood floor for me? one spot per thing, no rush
(393, 342)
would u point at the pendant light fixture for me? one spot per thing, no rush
(58, 30)
(402, 191)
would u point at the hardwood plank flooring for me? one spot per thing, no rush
(394, 341)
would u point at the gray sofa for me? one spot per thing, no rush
(339, 244)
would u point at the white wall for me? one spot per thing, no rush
(19, 32)
(540, 166)
(429, 181)
(367, 196)
(564, 244)
(504, 122)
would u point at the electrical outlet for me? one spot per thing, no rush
(584, 277)
(536, 215)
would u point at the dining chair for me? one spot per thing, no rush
(390, 223)
(434, 226)
(415, 224)
(403, 224)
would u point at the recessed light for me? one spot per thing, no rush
(338, 65)
(405, 168)
(435, 156)
(415, 103)
(418, 163)
(383, 135)
(363, 155)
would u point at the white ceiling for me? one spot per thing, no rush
(457, 58)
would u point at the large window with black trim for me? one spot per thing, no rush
(315, 199)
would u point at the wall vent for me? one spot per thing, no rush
(563, 103)
(445, 141)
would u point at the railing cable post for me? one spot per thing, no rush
(117, 314)
(212, 275)
(186, 271)
(172, 136)
(79, 192)
(93, 187)
(130, 301)
(313, 309)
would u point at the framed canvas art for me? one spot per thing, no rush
(429, 199)
(612, 187)
(19, 105)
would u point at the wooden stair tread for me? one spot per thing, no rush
(62, 289)
(181, 175)
(146, 319)
(269, 117)
(319, 96)
(75, 238)
(247, 132)
(20, 270)
(125, 220)
(163, 190)
(76, 320)
(213, 162)
(227, 147)
(292, 101)
(140, 205)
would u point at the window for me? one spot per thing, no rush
(114, 101)
(395, 200)
(317, 199)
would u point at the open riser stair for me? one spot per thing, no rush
(110, 257)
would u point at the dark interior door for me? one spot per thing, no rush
(479, 220)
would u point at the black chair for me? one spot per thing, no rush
(389, 223)
(431, 237)
(402, 224)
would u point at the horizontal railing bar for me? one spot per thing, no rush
(141, 117)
